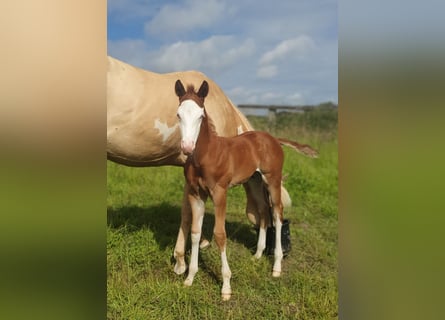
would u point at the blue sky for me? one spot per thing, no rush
(271, 52)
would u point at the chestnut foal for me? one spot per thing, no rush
(216, 163)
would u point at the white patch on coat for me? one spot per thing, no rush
(240, 130)
(164, 129)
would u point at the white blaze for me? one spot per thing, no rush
(190, 118)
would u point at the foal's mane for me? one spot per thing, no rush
(210, 123)
(190, 94)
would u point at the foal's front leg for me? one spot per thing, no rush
(219, 196)
(197, 204)
(186, 220)
(275, 193)
(278, 253)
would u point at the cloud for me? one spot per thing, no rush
(295, 47)
(267, 72)
(289, 52)
(243, 95)
(182, 18)
(213, 54)
(288, 47)
(125, 10)
(217, 53)
(133, 51)
(295, 98)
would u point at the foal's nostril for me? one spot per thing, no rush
(187, 147)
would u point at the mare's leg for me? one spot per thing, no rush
(197, 204)
(259, 205)
(219, 196)
(186, 221)
(251, 207)
(274, 187)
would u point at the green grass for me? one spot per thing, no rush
(143, 220)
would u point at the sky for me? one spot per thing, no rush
(259, 52)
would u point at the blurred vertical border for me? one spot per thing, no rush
(52, 159)
(392, 129)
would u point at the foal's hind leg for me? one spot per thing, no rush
(274, 187)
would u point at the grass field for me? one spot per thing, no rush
(143, 207)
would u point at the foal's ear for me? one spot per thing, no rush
(203, 90)
(179, 88)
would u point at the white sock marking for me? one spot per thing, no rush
(226, 290)
(261, 245)
(276, 272)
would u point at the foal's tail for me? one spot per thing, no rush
(301, 148)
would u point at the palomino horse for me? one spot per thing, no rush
(216, 163)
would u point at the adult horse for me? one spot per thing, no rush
(143, 130)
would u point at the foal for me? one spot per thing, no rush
(216, 163)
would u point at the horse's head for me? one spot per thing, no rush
(190, 113)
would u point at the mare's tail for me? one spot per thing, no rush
(301, 148)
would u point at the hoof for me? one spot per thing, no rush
(226, 296)
(188, 282)
(226, 293)
(204, 244)
(276, 274)
(179, 269)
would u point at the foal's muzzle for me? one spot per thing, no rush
(187, 147)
